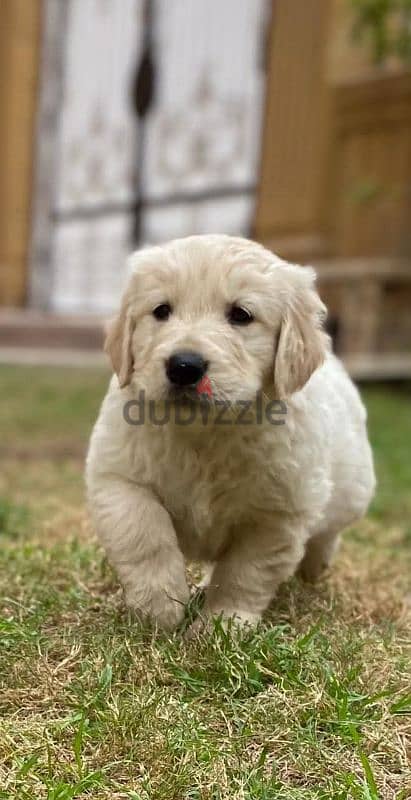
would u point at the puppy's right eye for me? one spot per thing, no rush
(238, 315)
(162, 312)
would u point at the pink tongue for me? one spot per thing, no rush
(204, 387)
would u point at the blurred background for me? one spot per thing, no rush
(128, 122)
(124, 123)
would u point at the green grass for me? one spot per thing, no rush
(48, 406)
(313, 705)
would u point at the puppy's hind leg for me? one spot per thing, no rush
(319, 553)
(246, 577)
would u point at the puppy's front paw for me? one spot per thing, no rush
(160, 601)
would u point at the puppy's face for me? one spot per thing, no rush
(219, 309)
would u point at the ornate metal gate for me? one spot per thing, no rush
(149, 127)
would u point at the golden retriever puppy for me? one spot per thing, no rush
(229, 434)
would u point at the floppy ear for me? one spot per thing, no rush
(302, 343)
(118, 346)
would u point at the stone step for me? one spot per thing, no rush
(34, 329)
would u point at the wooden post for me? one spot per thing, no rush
(290, 201)
(19, 55)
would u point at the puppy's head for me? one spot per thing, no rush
(218, 308)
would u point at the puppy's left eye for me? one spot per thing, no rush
(162, 312)
(238, 315)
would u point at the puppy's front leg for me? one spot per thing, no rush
(247, 577)
(138, 535)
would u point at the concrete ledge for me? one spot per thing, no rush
(382, 367)
(35, 338)
(361, 367)
(34, 329)
(53, 357)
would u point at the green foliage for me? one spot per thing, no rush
(385, 25)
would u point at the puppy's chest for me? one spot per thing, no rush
(200, 493)
(205, 489)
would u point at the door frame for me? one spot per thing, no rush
(20, 32)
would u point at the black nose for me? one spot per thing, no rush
(185, 369)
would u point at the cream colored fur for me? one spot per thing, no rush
(257, 500)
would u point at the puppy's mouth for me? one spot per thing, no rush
(200, 392)
(187, 395)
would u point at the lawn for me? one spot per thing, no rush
(313, 705)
